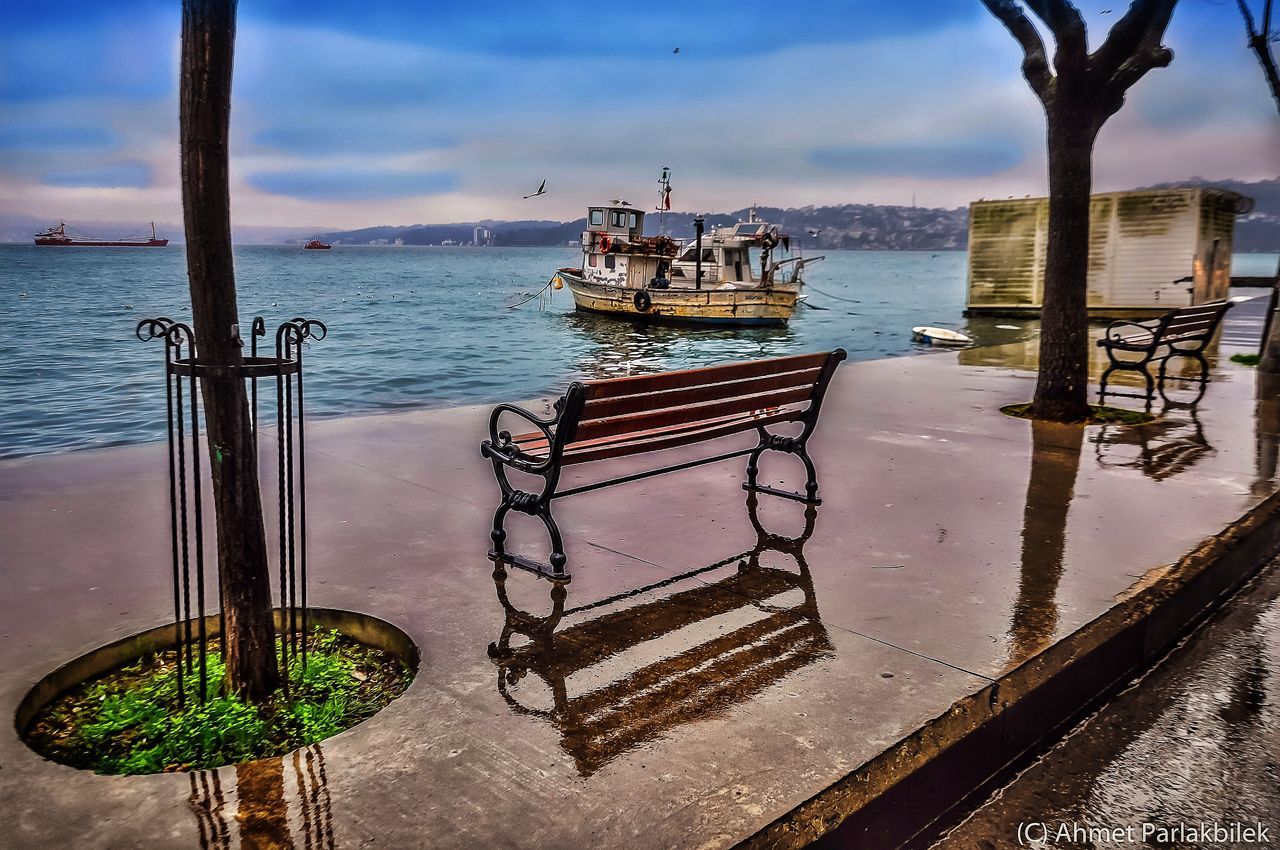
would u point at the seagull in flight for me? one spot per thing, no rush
(677, 50)
(542, 190)
(814, 231)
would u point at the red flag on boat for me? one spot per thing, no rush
(666, 197)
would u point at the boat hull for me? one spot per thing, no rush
(73, 243)
(772, 307)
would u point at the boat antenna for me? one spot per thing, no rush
(664, 199)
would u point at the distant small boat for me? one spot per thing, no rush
(316, 245)
(59, 238)
(939, 336)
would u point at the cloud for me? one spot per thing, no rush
(56, 137)
(129, 175)
(337, 135)
(333, 184)
(920, 159)
(127, 56)
(518, 29)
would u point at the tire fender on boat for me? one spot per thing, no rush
(642, 301)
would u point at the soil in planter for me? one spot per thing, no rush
(129, 721)
(1098, 415)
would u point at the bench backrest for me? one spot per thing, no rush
(1195, 322)
(636, 405)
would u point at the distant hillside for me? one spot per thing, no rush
(850, 226)
(865, 226)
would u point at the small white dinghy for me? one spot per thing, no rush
(939, 336)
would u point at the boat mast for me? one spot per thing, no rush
(664, 199)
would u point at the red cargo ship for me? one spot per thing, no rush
(57, 236)
(316, 245)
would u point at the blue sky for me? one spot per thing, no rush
(348, 114)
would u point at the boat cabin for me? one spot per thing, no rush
(617, 219)
(737, 256)
(617, 253)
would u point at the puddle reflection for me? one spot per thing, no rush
(1159, 450)
(275, 799)
(633, 666)
(1266, 433)
(1055, 462)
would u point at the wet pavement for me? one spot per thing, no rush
(1196, 741)
(714, 663)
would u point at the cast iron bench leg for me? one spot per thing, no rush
(787, 445)
(532, 504)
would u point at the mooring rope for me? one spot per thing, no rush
(829, 295)
(531, 297)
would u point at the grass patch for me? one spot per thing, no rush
(1098, 414)
(1245, 359)
(129, 721)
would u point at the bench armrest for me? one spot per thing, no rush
(499, 446)
(1112, 331)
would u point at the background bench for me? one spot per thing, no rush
(620, 417)
(1182, 332)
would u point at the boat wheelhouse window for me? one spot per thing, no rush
(610, 261)
(691, 255)
(591, 260)
(631, 221)
(597, 218)
(617, 219)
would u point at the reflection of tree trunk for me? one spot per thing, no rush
(1266, 429)
(262, 813)
(1055, 460)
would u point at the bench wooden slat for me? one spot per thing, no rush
(689, 414)
(534, 444)
(622, 405)
(614, 387)
(681, 438)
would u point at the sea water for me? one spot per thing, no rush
(410, 327)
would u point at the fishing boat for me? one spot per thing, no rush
(740, 274)
(58, 237)
(316, 245)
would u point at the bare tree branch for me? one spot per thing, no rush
(1140, 30)
(1035, 62)
(1064, 20)
(1260, 43)
(1134, 69)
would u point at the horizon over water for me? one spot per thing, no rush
(410, 328)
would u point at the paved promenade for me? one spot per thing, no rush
(679, 703)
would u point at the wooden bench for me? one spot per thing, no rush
(620, 417)
(1182, 332)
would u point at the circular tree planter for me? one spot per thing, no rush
(368, 664)
(1098, 415)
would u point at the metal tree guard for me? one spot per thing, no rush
(183, 368)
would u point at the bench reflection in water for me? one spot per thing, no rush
(624, 670)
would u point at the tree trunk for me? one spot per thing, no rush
(208, 44)
(1062, 385)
